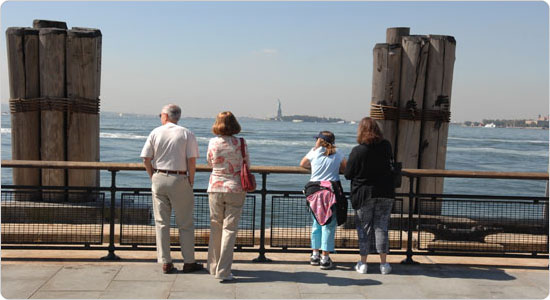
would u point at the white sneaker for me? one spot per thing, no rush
(385, 268)
(326, 263)
(315, 260)
(361, 268)
(228, 278)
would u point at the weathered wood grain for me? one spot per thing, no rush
(413, 75)
(385, 84)
(48, 24)
(52, 84)
(394, 35)
(433, 144)
(83, 73)
(22, 44)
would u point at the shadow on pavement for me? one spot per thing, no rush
(452, 271)
(299, 277)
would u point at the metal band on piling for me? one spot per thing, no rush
(72, 104)
(384, 112)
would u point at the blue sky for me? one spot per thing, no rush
(315, 56)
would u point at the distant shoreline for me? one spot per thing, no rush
(509, 127)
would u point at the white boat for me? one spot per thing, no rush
(297, 121)
(490, 125)
(340, 122)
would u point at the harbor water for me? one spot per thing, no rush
(273, 143)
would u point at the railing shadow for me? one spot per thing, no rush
(452, 271)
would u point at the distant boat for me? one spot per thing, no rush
(490, 125)
(120, 115)
(341, 122)
(353, 122)
(297, 121)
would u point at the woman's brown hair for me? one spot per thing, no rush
(226, 124)
(368, 132)
(330, 149)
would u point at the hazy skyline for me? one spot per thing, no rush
(314, 56)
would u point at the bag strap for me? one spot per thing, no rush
(242, 147)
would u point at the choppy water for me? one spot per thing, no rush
(285, 143)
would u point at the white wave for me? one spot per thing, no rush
(302, 143)
(542, 153)
(498, 140)
(202, 139)
(126, 136)
(6, 130)
(306, 143)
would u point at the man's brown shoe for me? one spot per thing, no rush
(169, 268)
(192, 267)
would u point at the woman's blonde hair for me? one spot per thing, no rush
(368, 132)
(226, 124)
(330, 148)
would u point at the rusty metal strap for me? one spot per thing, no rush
(72, 104)
(384, 112)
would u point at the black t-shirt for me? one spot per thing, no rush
(369, 164)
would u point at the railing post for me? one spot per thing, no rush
(112, 255)
(409, 260)
(261, 257)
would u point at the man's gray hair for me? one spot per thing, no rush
(173, 111)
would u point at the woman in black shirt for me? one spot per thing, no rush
(372, 192)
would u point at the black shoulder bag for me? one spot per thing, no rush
(395, 168)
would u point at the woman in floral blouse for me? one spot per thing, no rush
(225, 193)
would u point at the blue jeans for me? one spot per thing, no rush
(322, 237)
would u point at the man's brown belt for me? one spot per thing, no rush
(171, 172)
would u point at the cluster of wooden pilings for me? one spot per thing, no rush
(411, 98)
(54, 76)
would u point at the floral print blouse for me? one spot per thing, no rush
(225, 158)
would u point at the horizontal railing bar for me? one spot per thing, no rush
(481, 197)
(473, 253)
(47, 247)
(114, 166)
(281, 192)
(474, 174)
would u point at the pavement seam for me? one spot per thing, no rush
(171, 286)
(110, 282)
(41, 286)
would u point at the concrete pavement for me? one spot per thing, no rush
(78, 274)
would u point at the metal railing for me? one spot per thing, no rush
(439, 224)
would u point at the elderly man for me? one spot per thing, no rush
(169, 156)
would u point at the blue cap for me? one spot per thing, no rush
(327, 138)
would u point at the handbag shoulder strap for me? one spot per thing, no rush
(242, 147)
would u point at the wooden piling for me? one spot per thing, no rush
(49, 24)
(386, 83)
(22, 48)
(394, 35)
(413, 76)
(83, 75)
(437, 99)
(52, 87)
(385, 87)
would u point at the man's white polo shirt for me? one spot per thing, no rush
(170, 146)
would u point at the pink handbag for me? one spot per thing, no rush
(248, 181)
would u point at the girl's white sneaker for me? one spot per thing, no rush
(361, 268)
(385, 268)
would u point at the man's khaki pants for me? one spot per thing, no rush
(225, 213)
(173, 191)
